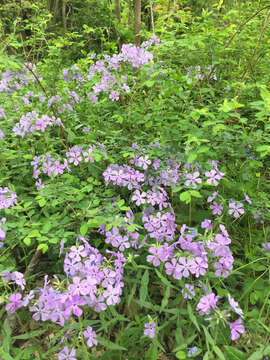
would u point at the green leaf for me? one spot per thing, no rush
(195, 193)
(34, 233)
(29, 335)
(257, 355)
(41, 202)
(149, 83)
(144, 286)
(192, 317)
(181, 355)
(84, 229)
(233, 353)
(219, 352)
(185, 197)
(27, 241)
(166, 297)
(110, 345)
(43, 248)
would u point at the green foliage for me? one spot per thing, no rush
(219, 109)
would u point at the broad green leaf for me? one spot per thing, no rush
(84, 229)
(233, 353)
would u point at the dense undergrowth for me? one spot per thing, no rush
(134, 194)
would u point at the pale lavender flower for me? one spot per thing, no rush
(192, 351)
(206, 224)
(247, 199)
(15, 302)
(91, 335)
(150, 329)
(216, 208)
(193, 179)
(207, 303)
(212, 176)
(212, 197)
(236, 328)
(1, 134)
(236, 209)
(140, 198)
(266, 247)
(235, 306)
(66, 355)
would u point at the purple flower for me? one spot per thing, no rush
(206, 224)
(157, 255)
(66, 355)
(266, 247)
(236, 209)
(212, 176)
(235, 306)
(193, 179)
(188, 291)
(207, 303)
(192, 351)
(216, 208)
(247, 199)
(8, 198)
(1, 134)
(236, 328)
(212, 197)
(150, 329)
(90, 334)
(139, 197)
(15, 302)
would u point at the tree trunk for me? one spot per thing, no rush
(55, 11)
(152, 16)
(64, 18)
(118, 10)
(137, 21)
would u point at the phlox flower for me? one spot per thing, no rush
(150, 329)
(236, 210)
(236, 328)
(207, 303)
(216, 208)
(90, 335)
(235, 306)
(66, 355)
(15, 302)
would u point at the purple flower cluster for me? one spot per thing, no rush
(12, 81)
(209, 72)
(50, 166)
(15, 276)
(31, 122)
(8, 198)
